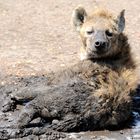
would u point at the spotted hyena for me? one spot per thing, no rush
(94, 93)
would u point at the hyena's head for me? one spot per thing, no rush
(99, 32)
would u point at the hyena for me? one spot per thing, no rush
(96, 92)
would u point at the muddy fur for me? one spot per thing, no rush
(95, 93)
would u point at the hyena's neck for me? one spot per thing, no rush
(122, 60)
(124, 57)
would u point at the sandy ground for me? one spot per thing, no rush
(36, 37)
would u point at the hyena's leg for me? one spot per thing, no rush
(23, 95)
(32, 110)
(27, 114)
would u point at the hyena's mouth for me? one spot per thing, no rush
(101, 51)
(97, 54)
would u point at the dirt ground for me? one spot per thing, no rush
(36, 37)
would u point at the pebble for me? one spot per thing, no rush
(121, 132)
(55, 122)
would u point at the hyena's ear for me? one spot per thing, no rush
(78, 17)
(121, 21)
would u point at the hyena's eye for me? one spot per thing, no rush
(108, 33)
(89, 32)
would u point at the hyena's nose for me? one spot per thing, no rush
(100, 45)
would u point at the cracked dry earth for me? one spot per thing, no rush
(36, 37)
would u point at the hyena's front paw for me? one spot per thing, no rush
(9, 105)
(20, 97)
(10, 102)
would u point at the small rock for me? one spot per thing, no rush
(55, 122)
(121, 132)
(94, 137)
